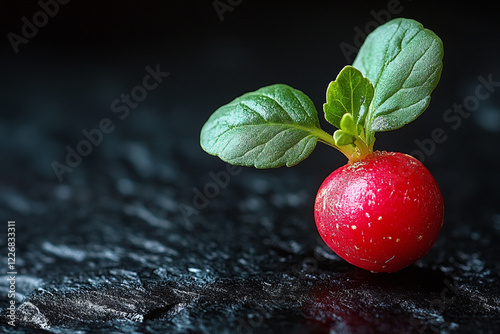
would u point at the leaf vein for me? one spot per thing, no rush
(406, 78)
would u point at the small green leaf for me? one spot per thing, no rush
(348, 125)
(350, 93)
(403, 61)
(342, 138)
(271, 127)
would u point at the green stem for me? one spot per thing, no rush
(326, 138)
(362, 150)
(354, 152)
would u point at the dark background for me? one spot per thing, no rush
(65, 79)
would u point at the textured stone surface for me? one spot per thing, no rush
(112, 250)
(118, 248)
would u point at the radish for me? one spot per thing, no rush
(382, 211)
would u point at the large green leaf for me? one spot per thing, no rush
(271, 127)
(403, 61)
(350, 93)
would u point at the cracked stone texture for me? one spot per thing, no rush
(119, 248)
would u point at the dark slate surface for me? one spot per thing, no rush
(111, 250)
(117, 246)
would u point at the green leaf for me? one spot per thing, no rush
(403, 61)
(342, 138)
(347, 124)
(271, 127)
(350, 93)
